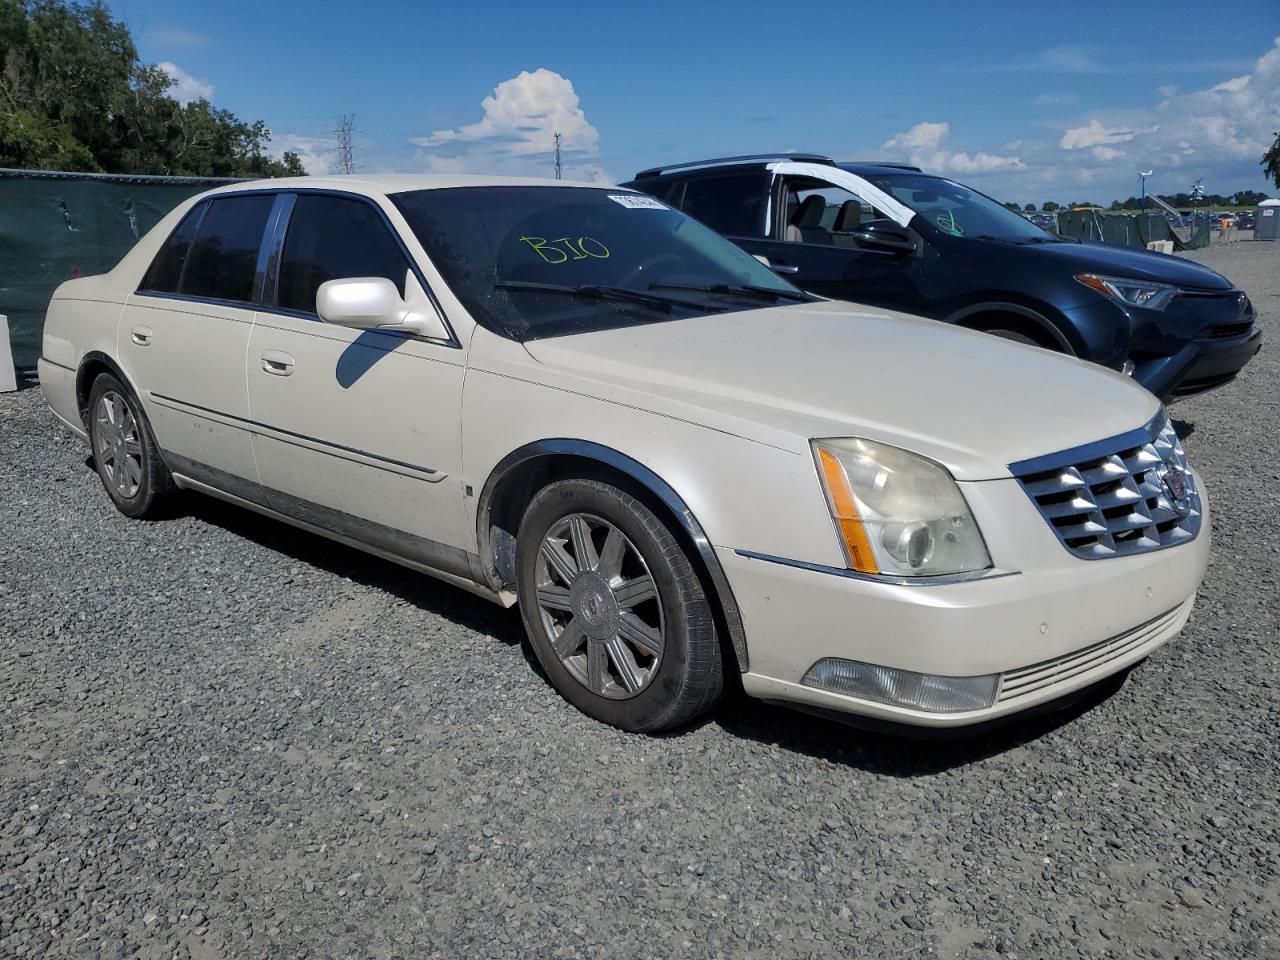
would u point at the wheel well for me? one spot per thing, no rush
(89, 372)
(502, 509)
(1020, 323)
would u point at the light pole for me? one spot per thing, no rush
(1142, 180)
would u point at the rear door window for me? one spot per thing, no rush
(330, 238)
(732, 205)
(224, 255)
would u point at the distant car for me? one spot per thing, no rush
(892, 236)
(577, 399)
(1246, 220)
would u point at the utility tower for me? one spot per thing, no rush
(346, 152)
(557, 136)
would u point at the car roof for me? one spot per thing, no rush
(760, 160)
(879, 168)
(382, 184)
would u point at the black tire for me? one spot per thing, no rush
(687, 678)
(1004, 333)
(145, 487)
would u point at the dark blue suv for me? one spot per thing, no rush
(891, 236)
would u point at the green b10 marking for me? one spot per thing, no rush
(563, 249)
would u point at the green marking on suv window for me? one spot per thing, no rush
(582, 248)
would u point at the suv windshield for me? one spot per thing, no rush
(533, 262)
(958, 211)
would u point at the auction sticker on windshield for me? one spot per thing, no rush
(635, 201)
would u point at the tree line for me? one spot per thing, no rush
(75, 96)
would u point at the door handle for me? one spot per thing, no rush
(277, 363)
(784, 268)
(141, 336)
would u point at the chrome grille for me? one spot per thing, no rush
(1116, 497)
(1027, 680)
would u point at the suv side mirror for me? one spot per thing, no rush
(374, 303)
(884, 235)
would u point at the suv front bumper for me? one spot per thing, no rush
(1059, 625)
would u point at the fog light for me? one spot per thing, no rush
(903, 688)
(1127, 368)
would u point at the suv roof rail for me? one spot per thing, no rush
(882, 163)
(747, 158)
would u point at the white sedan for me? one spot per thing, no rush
(577, 399)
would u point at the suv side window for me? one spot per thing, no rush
(330, 238)
(731, 204)
(819, 212)
(165, 271)
(224, 255)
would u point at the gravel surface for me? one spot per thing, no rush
(220, 737)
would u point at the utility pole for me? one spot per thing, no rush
(557, 136)
(346, 151)
(1142, 178)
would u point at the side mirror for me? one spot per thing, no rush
(884, 235)
(374, 303)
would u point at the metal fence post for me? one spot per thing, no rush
(8, 376)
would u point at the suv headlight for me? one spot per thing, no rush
(898, 514)
(1136, 293)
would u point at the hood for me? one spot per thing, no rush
(783, 375)
(1130, 263)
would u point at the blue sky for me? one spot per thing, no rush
(1028, 101)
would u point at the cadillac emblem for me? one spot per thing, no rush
(1174, 481)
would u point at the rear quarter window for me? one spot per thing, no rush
(165, 271)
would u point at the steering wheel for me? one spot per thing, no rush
(634, 273)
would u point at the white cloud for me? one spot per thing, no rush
(316, 153)
(1219, 132)
(183, 87)
(923, 145)
(1095, 134)
(516, 134)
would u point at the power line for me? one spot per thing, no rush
(346, 150)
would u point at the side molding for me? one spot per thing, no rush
(638, 472)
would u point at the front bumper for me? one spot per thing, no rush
(1059, 625)
(1199, 342)
(1199, 366)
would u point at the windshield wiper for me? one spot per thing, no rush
(594, 291)
(742, 289)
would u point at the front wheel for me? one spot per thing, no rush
(615, 612)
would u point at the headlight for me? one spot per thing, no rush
(1135, 293)
(898, 514)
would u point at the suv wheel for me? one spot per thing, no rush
(614, 609)
(124, 450)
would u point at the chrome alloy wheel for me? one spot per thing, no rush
(116, 444)
(599, 605)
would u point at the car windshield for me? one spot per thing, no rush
(957, 211)
(535, 262)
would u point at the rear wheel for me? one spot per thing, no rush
(125, 452)
(615, 612)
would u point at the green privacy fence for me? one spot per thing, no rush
(55, 226)
(1129, 231)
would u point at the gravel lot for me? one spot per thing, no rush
(220, 737)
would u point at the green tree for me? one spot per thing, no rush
(1049, 206)
(1248, 198)
(1030, 208)
(1271, 161)
(75, 96)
